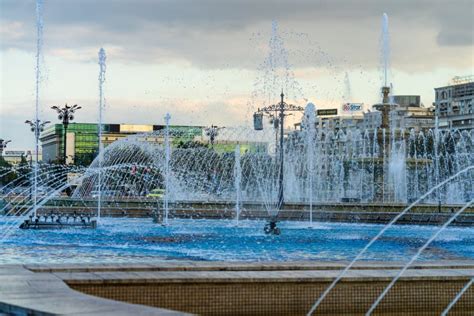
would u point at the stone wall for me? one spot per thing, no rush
(428, 296)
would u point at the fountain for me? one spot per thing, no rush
(458, 296)
(247, 178)
(39, 47)
(102, 68)
(167, 171)
(282, 169)
(381, 232)
(237, 182)
(309, 126)
(343, 162)
(416, 256)
(347, 88)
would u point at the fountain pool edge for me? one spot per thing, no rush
(24, 292)
(288, 288)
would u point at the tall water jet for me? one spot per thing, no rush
(39, 47)
(102, 68)
(237, 182)
(167, 167)
(347, 88)
(380, 233)
(385, 43)
(391, 98)
(458, 296)
(397, 170)
(310, 133)
(416, 256)
(436, 157)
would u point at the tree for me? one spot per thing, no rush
(24, 170)
(6, 171)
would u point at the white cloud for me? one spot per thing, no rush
(12, 30)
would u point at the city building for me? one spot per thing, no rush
(349, 116)
(407, 100)
(82, 139)
(337, 123)
(412, 117)
(409, 113)
(454, 104)
(14, 157)
(404, 112)
(372, 120)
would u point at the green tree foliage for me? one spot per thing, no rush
(23, 170)
(7, 172)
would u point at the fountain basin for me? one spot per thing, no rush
(129, 240)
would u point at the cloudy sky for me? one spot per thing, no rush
(210, 62)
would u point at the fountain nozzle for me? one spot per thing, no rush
(271, 227)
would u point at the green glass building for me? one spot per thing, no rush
(82, 140)
(82, 143)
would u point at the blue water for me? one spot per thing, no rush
(126, 240)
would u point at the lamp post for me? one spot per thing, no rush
(212, 132)
(36, 127)
(277, 113)
(65, 114)
(3, 145)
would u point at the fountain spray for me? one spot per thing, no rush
(458, 296)
(310, 132)
(167, 166)
(347, 88)
(237, 182)
(102, 68)
(39, 46)
(385, 48)
(379, 234)
(416, 256)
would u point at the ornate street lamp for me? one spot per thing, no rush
(65, 114)
(3, 145)
(212, 132)
(36, 127)
(277, 113)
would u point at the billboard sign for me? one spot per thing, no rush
(325, 112)
(352, 107)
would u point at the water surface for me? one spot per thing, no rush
(125, 240)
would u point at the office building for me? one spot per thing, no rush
(82, 139)
(454, 104)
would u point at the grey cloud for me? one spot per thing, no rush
(457, 24)
(213, 33)
(454, 38)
